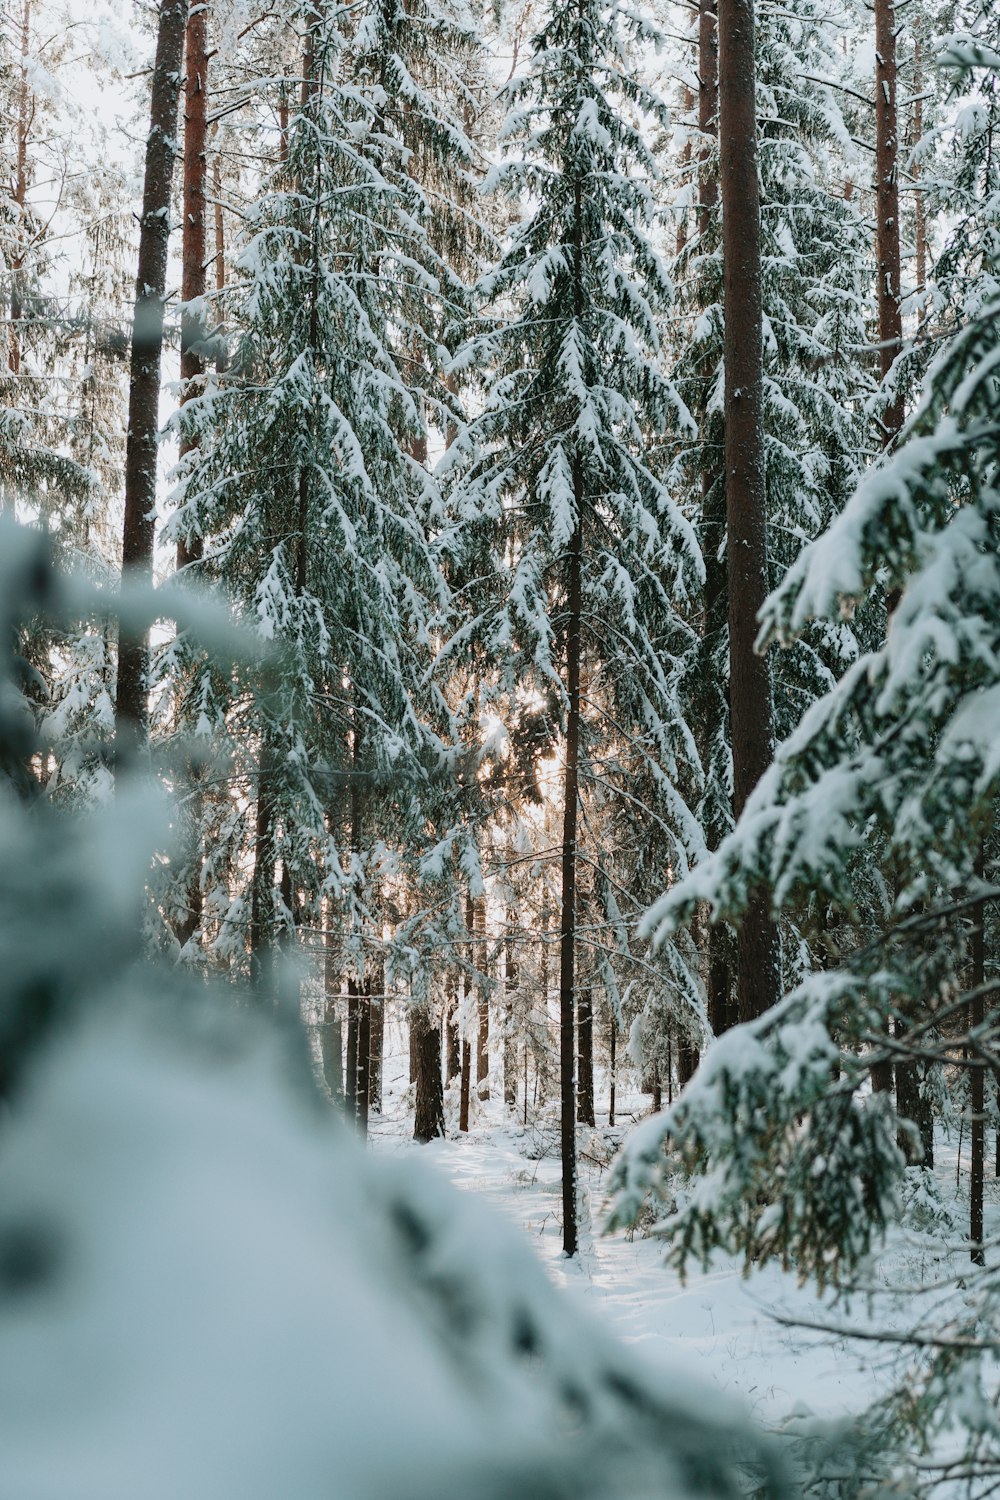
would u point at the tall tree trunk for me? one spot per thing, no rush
(363, 1091)
(193, 334)
(713, 500)
(977, 1100)
(333, 1039)
(751, 711)
(265, 859)
(193, 253)
(890, 318)
(509, 1040)
(919, 205)
(221, 354)
(428, 1119)
(483, 1011)
(351, 1067)
(453, 1049)
(131, 709)
(613, 1065)
(465, 1085)
(685, 165)
(376, 1051)
(25, 111)
(567, 915)
(585, 1057)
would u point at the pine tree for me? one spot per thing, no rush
(560, 478)
(901, 749)
(317, 517)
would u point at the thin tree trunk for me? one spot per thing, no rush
(464, 1090)
(221, 353)
(376, 1050)
(193, 253)
(919, 206)
(977, 1127)
(265, 859)
(351, 1068)
(333, 1039)
(567, 915)
(751, 711)
(453, 1061)
(24, 113)
(713, 500)
(685, 165)
(890, 319)
(363, 1092)
(613, 1065)
(585, 1058)
(483, 1012)
(428, 1118)
(131, 708)
(509, 1041)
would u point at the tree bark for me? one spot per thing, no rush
(567, 915)
(24, 115)
(193, 254)
(333, 1039)
(509, 1041)
(613, 1064)
(751, 711)
(376, 1050)
(265, 860)
(131, 707)
(464, 1088)
(453, 1060)
(585, 1058)
(713, 500)
(483, 1009)
(890, 318)
(363, 1091)
(977, 1124)
(351, 1068)
(428, 1119)
(919, 206)
(219, 333)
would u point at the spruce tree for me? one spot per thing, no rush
(597, 556)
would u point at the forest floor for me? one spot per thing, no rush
(726, 1329)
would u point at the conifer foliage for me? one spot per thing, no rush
(561, 467)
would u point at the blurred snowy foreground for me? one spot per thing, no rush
(208, 1290)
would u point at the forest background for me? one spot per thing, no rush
(511, 386)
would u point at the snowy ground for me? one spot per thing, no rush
(720, 1325)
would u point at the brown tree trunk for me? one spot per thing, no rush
(428, 1119)
(919, 206)
(363, 1091)
(751, 711)
(193, 253)
(890, 319)
(483, 1010)
(509, 1040)
(351, 1068)
(376, 1051)
(613, 1064)
(585, 1058)
(332, 1040)
(464, 1090)
(453, 1059)
(713, 500)
(25, 112)
(977, 1100)
(131, 708)
(219, 333)
(685, 164)
(567, 915)
(265, 859)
